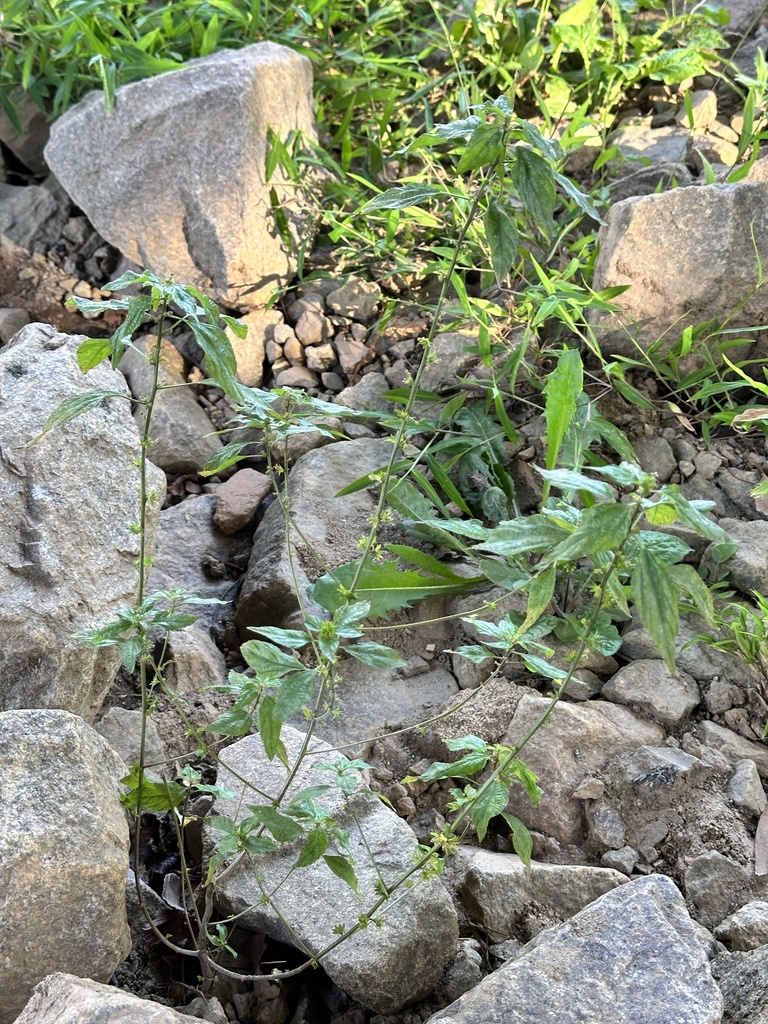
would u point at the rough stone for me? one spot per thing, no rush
(205, 216)
(747, 928)
(383, 968)
(507, 901)
(578, 740)
(296, 377)
(352, 354)
(250, 351)
(32, 216)
(366, 394)
(357, 299)
(745, 789)
(655, 455)
(182, 432)
(631, 957)
(193, 555)
(12, 319)
(238, 499)
(451, 359)
(735, 747)
(122, 730)
(63, 851)
(464, 973)
(641, 142)
(714, 886)
(29, 145)
(321, 358)
(703, 104)
(623, 860)
(697, 659)
(64, 999)
(312, 328)
(650, 688)
(672, 286)
(748, 567)
(67, 553)
(332, 525)
(742, 980)
(606, 826)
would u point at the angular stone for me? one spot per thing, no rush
(183, 435)
(641, 142)
(332, 525)
(64, 999)
(742, 979)
(747, 928)
(715, 886)
(32, 216)
(203, 217)
(631, 957)
(12, 319)
(500, 895)
(296, 377)
(735, 747)
(29, 145)
(122, 729)
(250, 351)
(238, 500)
(63, 851)
(606, 826)
(366, 394)
(578, 740)
(451, 359)
(705, 280)
(745, 788)
(650, 688)
(703, 104)
(382, 967)
(357, 299)
(67, 552)
(748, 567)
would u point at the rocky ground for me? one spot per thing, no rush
(647, 899)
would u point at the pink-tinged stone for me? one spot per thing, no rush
(238, 500)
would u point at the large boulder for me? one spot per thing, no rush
(632, 957)
(175, 175)
(326, 531)
(64, 999)
(63, 854)
(674, 285)
(67, 552)
(384, 967)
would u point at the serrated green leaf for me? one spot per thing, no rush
(408, 501)
(283, 828)
(73, 407)
(256, 845)
(220, 361)
(424, 561)
(403, 196)
(294, 639)
(342, 868)
(540, 591)
(489, 802)
(465, 767)
(269, 729)
(375, 655)
(697, 590)
(147, 795)
(692, 516)
(315, 846)
(130, 650)
(518, 536)
(226, 457)
(268, 660)
(603, 527)
(570, 480)
(583, 201)
(539, 667)
(483, 148)
(295, 691)
(233, 722)
(502, 237)
(522, 842)
(534, 183)
(507, 576)
(660, 515)
(626, 474)
(473, 653)
(562, 389)
(657, 597)
(92, 352)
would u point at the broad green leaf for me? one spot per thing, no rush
(130, 650)
(220, 361)
(570, 480)
(562, 390)
(408, 501)
(458, 129)
(657, 596)
(539, 667)
(487, 805)
(507, 576)
(468, 742)
(268, 660)
(147, 795)
(474, 653)
(92, 352)
(665, 546)
(283, 828)
(343, 869)
(660, 515)
(626, 474)
(138, 307)
(501, 235)
(603, 527)
(315, 846)
(540, 591)
(73, 407)
(294, 639)
(375, 655)
(233, 722)
(295, 691)
(521, 838)
(549, 148)
(269, 730)
(534, 183)
(465, 767)
(471, 528)
(519, 536)
(402, 197)
(422, 560)
(225, 457)
(692, 516)
(578, 13)
(697, 590)
(676, 64)
(256, 845)
(483, 149)
(303, 804)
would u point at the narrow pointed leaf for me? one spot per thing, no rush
(657, 596)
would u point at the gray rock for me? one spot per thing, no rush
(745, 788)
(714, 886)
(367, 394)
(357, 299)
(631, 957)
(578, 740)
(623, 860)
(649, 687)
(64, 999)
(250, 351)
(296, 377)
(28, 145)
(63, 851)
(644, 181)
(464, 973)
(203, 217)
(12, 319)
(708, 280)
(703, 107)
(67, 552)
(606, 826)
(32, 216)
(641, 142)
(382, 967)
(697, 659)
(656, 456)
(735, 747)
(451, 359)
(238, 500)
(374, 701)
(747, 928)
(737, 485)
(507, 901)
(194, 555)
(331, 525)
(652, 770)
(748, 567)
(743, 14)
(122, 730)
(742, 980)
(183, 435)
